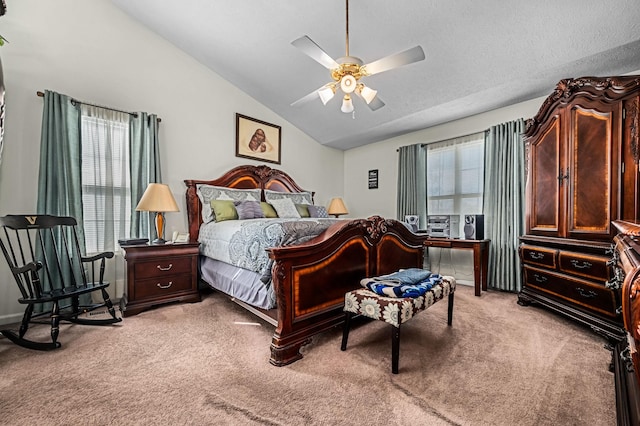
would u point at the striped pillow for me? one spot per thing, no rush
(248, 209)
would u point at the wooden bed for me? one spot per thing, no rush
(311, 279)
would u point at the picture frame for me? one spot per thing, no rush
(373, 179)
(258, 140)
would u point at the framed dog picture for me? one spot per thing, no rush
(258, 140)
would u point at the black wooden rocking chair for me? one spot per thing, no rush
(44, 256)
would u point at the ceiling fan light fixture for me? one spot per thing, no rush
(348, 83)
(326, 93)
(367, 93)
(347, 104)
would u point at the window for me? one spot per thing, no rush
(106, 182)
(455, 176)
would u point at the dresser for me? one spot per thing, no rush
(582, 174)
(158, 274)
(626, 358)
(574, 278)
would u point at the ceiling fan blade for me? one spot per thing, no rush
(375, 104)
(406, 57)
(310, 97)
(311, 49)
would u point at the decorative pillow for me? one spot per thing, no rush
(296, 197)
(268, 210)
(224, 210)
(248, 209)
(317, 211)
(285, 208)
(303, 211)
(207, 193)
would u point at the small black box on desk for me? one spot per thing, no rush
(132, 241)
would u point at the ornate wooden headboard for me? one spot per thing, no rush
(241, 177)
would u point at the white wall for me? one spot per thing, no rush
(91, 51)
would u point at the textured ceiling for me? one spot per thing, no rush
(480, 55)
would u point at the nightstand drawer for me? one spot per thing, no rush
(163, 266)
(594, 267)
(163, 286)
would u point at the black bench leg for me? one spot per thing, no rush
(345, 330)
(395, 348)
(450, 310)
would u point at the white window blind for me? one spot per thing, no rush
(105, 177)
(455, 176)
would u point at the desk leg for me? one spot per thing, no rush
(477, 268)
(485, 265)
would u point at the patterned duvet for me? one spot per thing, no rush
(243, 243)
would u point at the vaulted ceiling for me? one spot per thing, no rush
(480, 55)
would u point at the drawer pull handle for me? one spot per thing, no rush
(165, 286)
(584, 265)
(586, 294)
(165, 269)
(536, 255)
(540, 278)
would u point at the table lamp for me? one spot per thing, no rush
(159, 199)
(337, 207)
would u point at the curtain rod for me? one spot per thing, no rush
(455, 137)
(448, 139)
(75, 101)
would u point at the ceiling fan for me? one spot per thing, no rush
(347, 71)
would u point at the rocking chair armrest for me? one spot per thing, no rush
(31, 266)
(103, 255)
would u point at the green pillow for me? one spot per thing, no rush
(224, 210)
(268, 210)
(303, 210)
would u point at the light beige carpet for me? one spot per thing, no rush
(207, 363)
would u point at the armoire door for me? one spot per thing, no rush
(592, 174)
(544, 199)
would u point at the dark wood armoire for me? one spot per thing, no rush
(582, 174)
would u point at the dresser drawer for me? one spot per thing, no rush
(583, 293)
(163, 286)
(541, 256)
(163, 266)
(588, 266)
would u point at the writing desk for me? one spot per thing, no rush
(480, 256)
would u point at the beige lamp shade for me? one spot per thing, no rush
(159, 199)
(337, 207)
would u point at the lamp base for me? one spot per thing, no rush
(158, 241)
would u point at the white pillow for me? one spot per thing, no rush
(297, 197)
(285, 208)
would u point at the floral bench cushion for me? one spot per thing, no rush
(396, 310)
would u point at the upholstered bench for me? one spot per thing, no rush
(394, 310)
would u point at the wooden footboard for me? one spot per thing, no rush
(311, 279)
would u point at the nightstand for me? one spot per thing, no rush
(158, 274)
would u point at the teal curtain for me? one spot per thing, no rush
(412, 186)
(145, 169)
(504, 202)
(59, 179)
